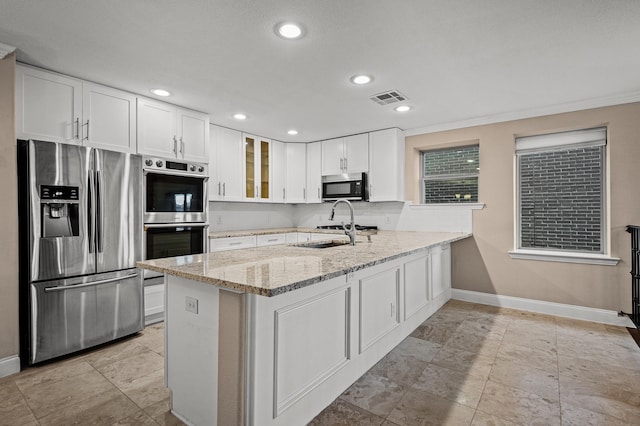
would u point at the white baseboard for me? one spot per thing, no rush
(9, 365)
(559, 309)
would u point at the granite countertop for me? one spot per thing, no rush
(273, 270)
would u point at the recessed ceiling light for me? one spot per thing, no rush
(289, 30)
(160, 92)
(292, 132)
(239, 116)
(402, 108)
(361, 79)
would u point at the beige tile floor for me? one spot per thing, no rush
(468, 364)
(474, 364)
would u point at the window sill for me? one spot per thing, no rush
(443, 206)
(557, 256)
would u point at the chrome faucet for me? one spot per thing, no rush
(351, 231)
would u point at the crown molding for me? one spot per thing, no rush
(5, 49)
(584, 104)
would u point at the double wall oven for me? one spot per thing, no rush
(175, 210)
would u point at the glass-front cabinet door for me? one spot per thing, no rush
(257, 168)
(249, 165)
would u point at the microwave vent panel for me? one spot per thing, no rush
(390, 97)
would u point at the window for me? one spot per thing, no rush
(561, 199)
(450, 175)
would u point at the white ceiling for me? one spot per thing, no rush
(456, 60)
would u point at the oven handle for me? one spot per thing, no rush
(176, 225)
(176, 173)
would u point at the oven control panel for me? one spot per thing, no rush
(180, 167)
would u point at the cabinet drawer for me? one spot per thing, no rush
(232, 243)
(271, 239)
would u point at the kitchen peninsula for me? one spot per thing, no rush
(272, 335)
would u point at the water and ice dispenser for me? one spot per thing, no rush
(59, 211)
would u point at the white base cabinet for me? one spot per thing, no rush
(298, 351)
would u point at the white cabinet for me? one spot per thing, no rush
(232, 243)
(291, 237)
(193, 135)
(108, 118)
(167, 131)
(416, 286)
(440, 270)
(296, 172)
(278, 171)
(314, 172)
(386, 165)
(48, 106)
(349, 154)
(270, 240)
(379, 301)
(57, 108)
(303, 237)
(225, 161)
(257, 164)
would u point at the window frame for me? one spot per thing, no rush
(602, 256)
(424, 178)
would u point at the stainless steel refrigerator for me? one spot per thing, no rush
(81, 231)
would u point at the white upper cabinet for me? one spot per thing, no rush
(386, 165)
(48, 106)
(278, 175)
(225, 165)
(349, 154)
(356, 150)
(168, 131)
(109, 118)
(314, 172)
(193, 135)
(257, 165)
(296, 172)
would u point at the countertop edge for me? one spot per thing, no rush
(299, 284)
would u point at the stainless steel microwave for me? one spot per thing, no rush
(351, 187)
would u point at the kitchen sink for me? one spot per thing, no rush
(322, 244)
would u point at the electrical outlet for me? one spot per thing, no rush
(191, 305)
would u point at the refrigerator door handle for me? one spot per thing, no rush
(91, 284)
(99, 213)
(90, 222)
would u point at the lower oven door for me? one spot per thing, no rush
(71, 314)
(174, 197)
(170, 240)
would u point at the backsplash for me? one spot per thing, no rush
(398, 216)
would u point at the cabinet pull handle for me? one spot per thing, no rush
(257, 194)
(346, 164)
(224, 189)
(219, 188)
(272, 240)
(175, 146)
(318, 192)
(181, 147)
(342, 164)
(87, 138)
(77, 128)
(370, 190)
(283, 194)
(304, 193)
(237, 243)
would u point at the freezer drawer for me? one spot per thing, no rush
(73, 314)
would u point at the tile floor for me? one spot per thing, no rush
(468, 364)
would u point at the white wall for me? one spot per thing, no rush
(226, 216)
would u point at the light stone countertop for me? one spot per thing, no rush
(273, 270)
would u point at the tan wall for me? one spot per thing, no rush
(482, 263)
(9, 342)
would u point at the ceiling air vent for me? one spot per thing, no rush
(390, 97)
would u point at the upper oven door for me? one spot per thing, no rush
(174, 197)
